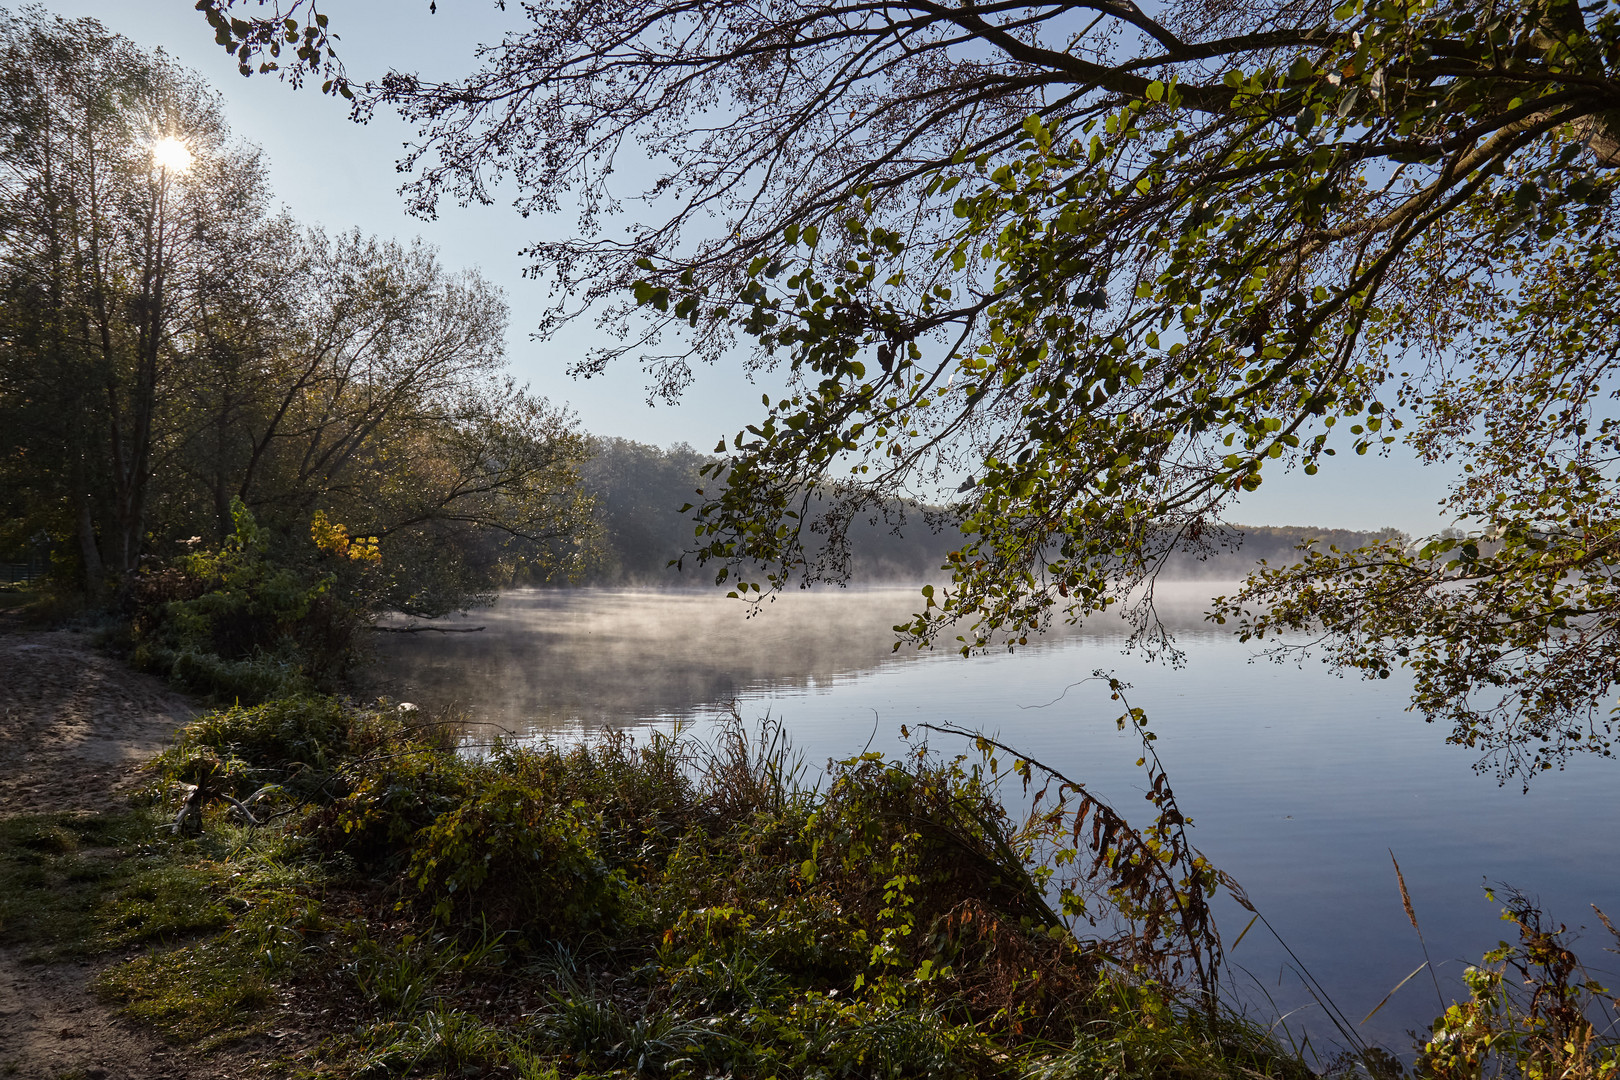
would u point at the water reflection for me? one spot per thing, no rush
(586, 658)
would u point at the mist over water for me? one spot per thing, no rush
(581, 659)
(1299, 783)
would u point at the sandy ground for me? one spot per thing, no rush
(53, 1028)
(75, 724)
(75, 727)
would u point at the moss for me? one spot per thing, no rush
(56, 870)
(163, 902)
(206, 993)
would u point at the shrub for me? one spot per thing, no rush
(257, 678)
(510, 856)
(310, 731)
(288, 747)
(381, 804)
(240, 625)
(711, 914)
(1529, 1011)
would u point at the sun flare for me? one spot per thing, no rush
(171, 153)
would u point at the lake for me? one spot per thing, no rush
(1299, 783)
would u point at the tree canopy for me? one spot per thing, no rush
(174, 351)
(1098, 267)
(1403, 220)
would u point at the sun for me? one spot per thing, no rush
(171, 153)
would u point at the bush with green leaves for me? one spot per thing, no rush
(311, 730)
(671, 909)
(242, 623)
(1529, 1011)
(520, 862)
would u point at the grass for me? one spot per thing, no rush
(57, 871)
(209, 923)
(659, 910)
(208, 993)
(663, 910)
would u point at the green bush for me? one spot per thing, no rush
(643, 800)
(287, 747)
(518, 861)
(311, 731)
(241, 624)
(383, 803)
(602, 909)
(257, 678)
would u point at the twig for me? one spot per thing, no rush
(427, 629)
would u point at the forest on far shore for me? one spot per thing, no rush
(638, 490)
(637, 533)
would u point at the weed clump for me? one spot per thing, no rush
(244, 623)
(673, 909)
(519, 863)
(1529, 1011)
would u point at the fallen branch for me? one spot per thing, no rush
(244, 807)
(427, 629)
(190, 810)
(189, 819)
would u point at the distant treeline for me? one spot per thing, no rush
(639, 489)
(1238, 548)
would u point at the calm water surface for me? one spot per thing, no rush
(1299, 783)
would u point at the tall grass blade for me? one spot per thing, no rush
(1335, 1017)
(1245, 933)
(1406, 897)
(1317, 991)
(1281, 1023)
(1392, 992)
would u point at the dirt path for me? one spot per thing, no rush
(75, 727)
(75, 724)
(53, 1028)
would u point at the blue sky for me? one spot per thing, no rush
(334, 173)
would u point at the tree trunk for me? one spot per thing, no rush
(89, 553)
